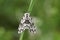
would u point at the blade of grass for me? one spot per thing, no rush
(21, 36)
(31, 5)
(29, 10)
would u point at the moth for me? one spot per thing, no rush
(26, 22)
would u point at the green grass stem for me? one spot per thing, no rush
(29, 10)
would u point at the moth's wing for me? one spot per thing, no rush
(33, 29)
(20, 29)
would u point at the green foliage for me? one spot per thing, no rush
(45, 12)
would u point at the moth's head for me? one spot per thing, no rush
(27, 14)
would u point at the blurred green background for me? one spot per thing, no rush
(46, 14)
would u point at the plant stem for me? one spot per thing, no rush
(29, 10)
(31, 5)
(21, 36)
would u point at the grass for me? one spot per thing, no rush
(29, 10)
